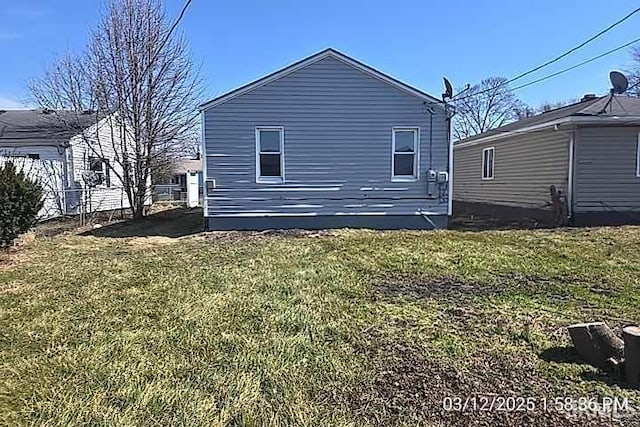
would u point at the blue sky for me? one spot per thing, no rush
(417, 41)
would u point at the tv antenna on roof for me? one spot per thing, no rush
(619, 82)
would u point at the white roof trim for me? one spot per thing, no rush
(577, 120)
(315, 58)
(507, 134)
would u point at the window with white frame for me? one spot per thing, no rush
(269, 154)
(404, 159)
(100, 169)
(488, 161)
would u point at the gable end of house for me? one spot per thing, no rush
(327, 53)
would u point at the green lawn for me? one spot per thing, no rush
(344, 328)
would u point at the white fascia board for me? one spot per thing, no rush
(511, 133)
(574, 120)
(609, 120)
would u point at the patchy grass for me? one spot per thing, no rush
(342, 328)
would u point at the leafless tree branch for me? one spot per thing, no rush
(493, 106)
(137, 79)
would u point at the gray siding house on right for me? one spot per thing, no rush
(588, 151)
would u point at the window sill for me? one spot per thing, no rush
(265, 180)
(404, 179)
(487, 179)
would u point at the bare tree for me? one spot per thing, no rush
(633, 72)
(485, 106)
(553, 105)
(137, 79)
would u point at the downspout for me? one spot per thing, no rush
(571, 174)
(450, 166)
(64, 152)
(205, 192)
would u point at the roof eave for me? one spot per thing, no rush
(558, 124)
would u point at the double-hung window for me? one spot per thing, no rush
(270, 154)
(488, 161)
(100, 167)
(404, 158)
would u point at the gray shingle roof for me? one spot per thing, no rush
(605, 106)
(36, 126)
(187, 165)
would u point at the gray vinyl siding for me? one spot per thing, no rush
(525, 167)
(337, 146)
(605, 177)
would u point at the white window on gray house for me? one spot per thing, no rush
(404, 159)
(488, 161)
(269, 154)
(100, 169)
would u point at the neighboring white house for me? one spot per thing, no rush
(75, 175)
(185, 185)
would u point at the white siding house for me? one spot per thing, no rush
(77, 178)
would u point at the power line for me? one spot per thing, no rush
(633, 86)
(609, 52)
(177, 21)
(570, 51)
(578, 65)
(167, 37)
(557, 58)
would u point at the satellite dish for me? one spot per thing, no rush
(448, 89)
(91, 178)
(618, 81)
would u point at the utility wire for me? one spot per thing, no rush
(609, 52)
(584, 43)
(177, 21)
(633, 86)
(557, 58)
(167, 37)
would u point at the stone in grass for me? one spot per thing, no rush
(595, 343)
(631, 335)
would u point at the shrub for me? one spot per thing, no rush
(20, 201)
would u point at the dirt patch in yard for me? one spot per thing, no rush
(449, 289)
(409, 382)
(17, 254)
(417, 286)
(410, 387)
